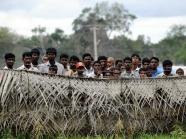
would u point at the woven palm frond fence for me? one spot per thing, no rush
(34, 103)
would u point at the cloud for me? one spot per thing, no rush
(155, 27)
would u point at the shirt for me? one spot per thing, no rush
(44, 68)
(30, 69)
(132, 74)
(156, 72)
(89, 73)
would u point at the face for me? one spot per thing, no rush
(143, 74)
(27, 61)
(51, 56)
(35, 57)
(87, 61)
(135, 60)
(154, 64)
(110, 63)
(45, 59)
(52, 71)
(97, 67)
(146, 65)
(103, 63)
(10, 62)
(64, 61)
(127, 64)
(167, 69)
(72, 64)
(180, 72)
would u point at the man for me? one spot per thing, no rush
(135, 62)
(167, 69)
(155, 70)
(128, 72)
(145, 63)
(51, 53)
(110, 63)
(9, 60)
(118, 63)
(116, 73)
(97, 70)
(146, 66)
(27, 60)
(80, 68)
(35, 57)
(87, 59)
(103, 62)
(64, 58)
(72, 65)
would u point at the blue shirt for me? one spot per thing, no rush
(157, 72)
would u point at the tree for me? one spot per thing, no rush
(106, 18)
(177, 31)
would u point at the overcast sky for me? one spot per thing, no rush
(154, 17)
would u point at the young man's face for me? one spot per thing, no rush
(143, 74)
(10, 62)
(128, 64)
(103, 63)
(167, 69)
(154, 64)
(97, 67)
(27, 61)
(51, 56)
(135, 60)
(35, 57)
(87, 61)
(146, 65)
(64, 61)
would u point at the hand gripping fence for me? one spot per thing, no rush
(34, 102)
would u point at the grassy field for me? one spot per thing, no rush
(179, 132)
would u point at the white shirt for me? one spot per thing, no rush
(89, 73)
(6, 67)
(30, 69)
(45, 67)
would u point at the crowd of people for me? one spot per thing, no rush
(87, 67)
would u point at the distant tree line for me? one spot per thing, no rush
(107, 19)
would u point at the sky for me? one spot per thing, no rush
(154, 17)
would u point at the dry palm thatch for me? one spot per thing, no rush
(39, 103)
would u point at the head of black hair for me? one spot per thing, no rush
(35, 50)
(96, 62)
(51, 50)
(127, 58)
(167, 62)
(28, 54)
(9, 55)
(135, 55)
(142, 69)
(117, 61)
(63, 55)
(85, 55)
(155, 58)
(102, 58)
(74, 58)
(145, 60)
